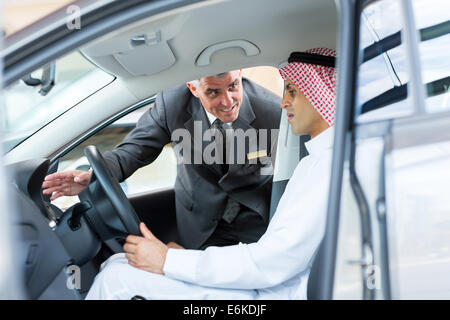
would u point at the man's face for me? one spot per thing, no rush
(222, 97)
(302, 116)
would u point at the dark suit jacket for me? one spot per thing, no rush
(201, 190)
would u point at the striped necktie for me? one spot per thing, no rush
(221, 143)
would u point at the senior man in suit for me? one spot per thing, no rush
(218, 203)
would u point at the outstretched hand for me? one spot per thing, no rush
(66, 183)
(146, 253)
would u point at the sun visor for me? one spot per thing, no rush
(142, 49)
(146, 60)
(130, 56)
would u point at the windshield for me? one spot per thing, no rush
(24, 110)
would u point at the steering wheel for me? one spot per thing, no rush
(108, 209)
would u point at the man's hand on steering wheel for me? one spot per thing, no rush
(147, 253)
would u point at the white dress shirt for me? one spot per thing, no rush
(213, 118)
(275, 267)
(278, 264)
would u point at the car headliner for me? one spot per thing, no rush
(276, 28)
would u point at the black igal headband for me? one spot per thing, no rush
(312, 58)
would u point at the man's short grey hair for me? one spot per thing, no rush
(196, 82)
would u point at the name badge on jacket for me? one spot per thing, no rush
(256, 154)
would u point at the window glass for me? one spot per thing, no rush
(25, 110)
(377, 15)
(382, 75)
(434, 51)
(157, 175)
(428, 13)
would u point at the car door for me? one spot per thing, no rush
(394, 217)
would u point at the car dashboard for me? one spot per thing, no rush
(48, 245)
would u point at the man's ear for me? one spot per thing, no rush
(193, 89)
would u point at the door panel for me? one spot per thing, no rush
(418, 207)
(402, 161)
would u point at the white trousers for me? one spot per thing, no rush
(118, 280)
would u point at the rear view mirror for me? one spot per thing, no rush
(47, 80)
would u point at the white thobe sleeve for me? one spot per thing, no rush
(286, 249)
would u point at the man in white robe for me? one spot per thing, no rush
(278, 265)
